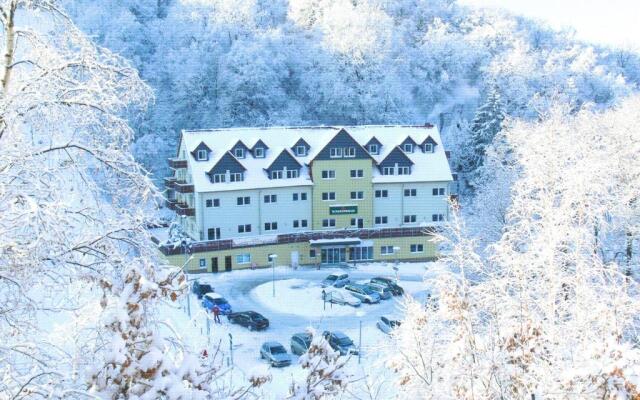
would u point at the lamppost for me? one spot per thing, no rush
(360, 314)
(396, 250)
(186, 249)
(272, 258)
(231, 347)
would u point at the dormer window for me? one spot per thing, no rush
(428, 148)
(404, 170)
(218, 178)
(236, 177)
(388, 171)
(408, 148)
(292, 173)
(335, 152)
(373, 149)
(258, 152)
(276, 174)
(201, 155)
(349, 152)
(301, 151)
(238, 152)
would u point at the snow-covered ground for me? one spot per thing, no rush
(297, 305)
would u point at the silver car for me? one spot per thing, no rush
(365, 294)
(336, 280)
(275, 354)
(386, 325)
(384, 292)
(335, 297)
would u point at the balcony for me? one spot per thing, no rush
(170, 182)
(183, 187)
(177, 163)
(184, 209)
(172, 204)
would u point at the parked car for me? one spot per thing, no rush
(300, 343)
(340, 342)
(386, 325)
(335, 297)
(336, 280)
(249, 319)
(275, 354)
(211, 300)
(200, 289)
(365, 294)
(383, 291)
(396, 289)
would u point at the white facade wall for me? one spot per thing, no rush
(423, 205)
(229, 214)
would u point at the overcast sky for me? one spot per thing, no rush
(610, 22)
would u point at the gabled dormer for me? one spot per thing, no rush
(373, 146)
(285, 166)
(428, 145)
(408, 145)
(259, 150)
(239, 150)
(201, 152)
(342, 146)
(301, 148)
(396, 163)
(227, 169)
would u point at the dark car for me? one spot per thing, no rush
(200, 289)
(249, 319)
(210, 300)
(396, 290)
(300, 343)
(276, 354)
(340, 342)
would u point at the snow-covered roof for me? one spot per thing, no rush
(430, 167)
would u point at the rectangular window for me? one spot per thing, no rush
(386, 250)
(417, 248)
(361, 253)
(202, 155)
(270, 226)
(438, 191)
(276, 174)
(216, 202)
(213, 233)
(303, 196)
(203, 263)
(239, 152)
(258, 152)
(270, 198)
(301, 151)
(236, 177)
(246, 228)
(357, 222)
(312, 253)
(373, 148)
(219, 178)
(243, 258)
(388, 171)
(381, 220)
(357, 195)
(409, 219)
(382, 193)
(243, 201)
(404, 170)
(209, 203)
(408, 148)
(335, 152)
(437, 217)
(328, 174)
(327, 223)
(349, 152)
(303, 223)
(292, 173)
(357, 173)
(410, 193)
(328, 196)
(295, 197)
(296, 223)
(428, 148)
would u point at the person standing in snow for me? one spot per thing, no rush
(216, 314)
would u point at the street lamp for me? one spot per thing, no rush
(272, 258)
(396, 250)
(360, 314)
(186, 248)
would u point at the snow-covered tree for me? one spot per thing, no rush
(325, 375)
(548, 313)
(486, 124)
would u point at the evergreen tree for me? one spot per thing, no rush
(486, 124)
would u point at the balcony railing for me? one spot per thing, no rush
(176, 163)
(184, 209)
(170, 182)
(183, 187)
(172, 204)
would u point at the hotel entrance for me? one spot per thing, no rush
(333, 255)
(334, 251)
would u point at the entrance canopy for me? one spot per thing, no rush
(335, 242)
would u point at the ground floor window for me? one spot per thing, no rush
(243, 258)
(386, 250)
(203, 263)
(417, 248)
(333, 255)
(361, 253)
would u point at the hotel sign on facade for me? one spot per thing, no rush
(341, 210)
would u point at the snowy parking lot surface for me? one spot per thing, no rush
(296, 305)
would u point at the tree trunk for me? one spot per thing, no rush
(9, 46)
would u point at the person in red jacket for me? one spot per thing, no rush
(216, 314)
